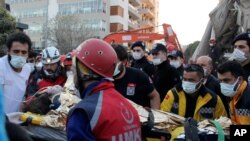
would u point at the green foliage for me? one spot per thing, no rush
(7, 25)
(190, 50)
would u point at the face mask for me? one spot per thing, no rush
(205, 72)
(39, 66)
(137, 55)
(117, 70)
(229, 90)
(157, 61)
(17, 61)
(175, 64)
(189, 87)
(238, 55)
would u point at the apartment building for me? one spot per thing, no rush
(101, 16)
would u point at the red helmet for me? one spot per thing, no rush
(98, 56)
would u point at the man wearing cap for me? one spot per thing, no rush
(51, 74)
(176, 60)
(140, 60)
(241, 52)
(166, 76)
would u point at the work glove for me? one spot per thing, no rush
(52, 90)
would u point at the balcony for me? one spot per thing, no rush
(147, 12)
(133, 12)
(135, 2)
(132, 24)
(149, 2)
(144, 23)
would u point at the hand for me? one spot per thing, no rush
(54, 89)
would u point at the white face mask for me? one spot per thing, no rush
(175, 63)
(39, 66)
(137, 55)
(229, 90)
(117, 70)
(206, 73)
(17, 61)
(238, 55)
(157, 61)
(189, 87)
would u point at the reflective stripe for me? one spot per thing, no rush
(243, 112)
(97, 112)
(206, 110)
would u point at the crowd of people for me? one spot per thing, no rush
(105, 76)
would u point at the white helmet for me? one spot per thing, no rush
(50, 55)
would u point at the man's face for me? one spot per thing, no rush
(227, 78)
(159, 55)
(19, 49)
(204, 63)
(138, 49)
(191, 77)
(50, 67)
(242, 45)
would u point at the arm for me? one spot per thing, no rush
(154, 99)
(220, 109)
(78, 127)
(167, 102)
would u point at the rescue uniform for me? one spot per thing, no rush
(213, 84)
(240, 105)
(136, 86)
(144, 65)
(207, 106)
(110, 116)
(165, 78)
(39, 81)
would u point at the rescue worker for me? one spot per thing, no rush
(103, 114)
(140, 60)
(52, 73)
(67, 63)
(176, 60)
(241, 52)
(134, 84)
(14, 72)
(166, 76)
(233, 85)
(192, 98)
(210, 81)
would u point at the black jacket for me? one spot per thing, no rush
(165, 78)
(144, 65)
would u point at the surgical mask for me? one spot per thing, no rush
(189, 87)
(205, 72)
(39, 66)
(32, 66)
(17, 61)
(229, 90)
(157, 61)
(137, 55)
(117, 70)
(238, 55)
(175, 64)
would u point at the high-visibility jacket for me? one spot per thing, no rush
(208, 104)
(240, 105)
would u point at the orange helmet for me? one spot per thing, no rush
(98, 56)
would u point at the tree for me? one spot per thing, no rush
(65, 33)
(190, 50)
(7, 25)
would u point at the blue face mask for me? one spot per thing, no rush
(189, 87)
(17, 61)
(229, 90)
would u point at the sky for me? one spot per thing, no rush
(188, 18)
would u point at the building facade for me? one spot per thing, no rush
(101, 16)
